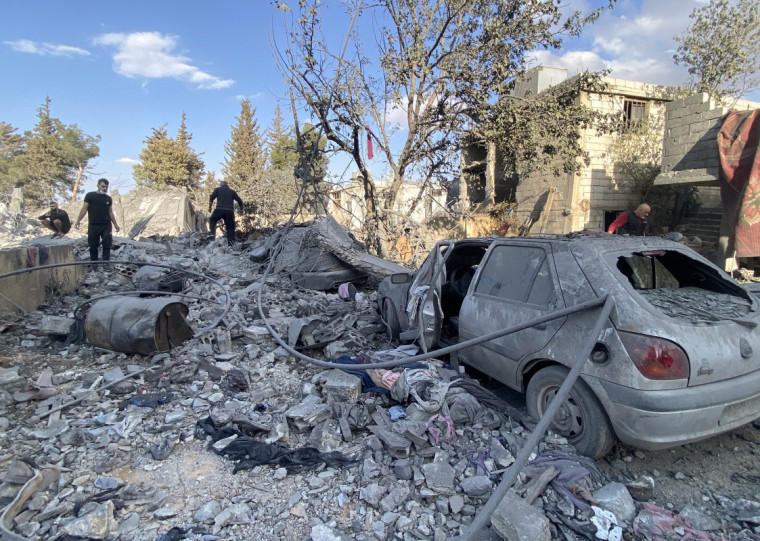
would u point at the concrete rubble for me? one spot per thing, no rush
(231, 436)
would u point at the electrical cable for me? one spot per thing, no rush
(211, 326)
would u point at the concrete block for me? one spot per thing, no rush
(55, 325)
(515, 520)
(699, 108)
(714, 114)
(341, 385)
(677, 131)
(615, 498)
(308, 412)
(701, 127)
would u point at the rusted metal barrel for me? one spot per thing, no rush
(136, 325)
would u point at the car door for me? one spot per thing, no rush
(516, 283)
(423, 307)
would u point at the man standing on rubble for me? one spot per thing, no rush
(57, 220)
(99, 209)
(631, 223)
(225, 210)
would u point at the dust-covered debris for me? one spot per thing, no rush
(231, 436)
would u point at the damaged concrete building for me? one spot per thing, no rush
(346, 203)
(590, 199)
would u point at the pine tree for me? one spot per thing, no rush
(194, 163)
(45, 173)
(11, 159)
(245, 154)
(278, 128)
(168, 162)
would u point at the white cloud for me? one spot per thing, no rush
(151, 55)
(45, 49)
(656, 70)
(634, 40)
(397, 117)
(128, 161)
(252, 97)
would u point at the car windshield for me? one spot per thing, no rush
(683, 287)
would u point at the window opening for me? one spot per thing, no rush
(634, 112)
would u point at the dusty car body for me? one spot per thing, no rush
(679, 360)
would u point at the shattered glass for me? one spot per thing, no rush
(697, 304)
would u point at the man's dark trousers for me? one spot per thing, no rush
(97, 234)
(229, 223)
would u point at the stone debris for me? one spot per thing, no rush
(126, 447)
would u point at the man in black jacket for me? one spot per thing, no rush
(57, 220)
(225, 210)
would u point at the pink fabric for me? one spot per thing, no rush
(389, 378)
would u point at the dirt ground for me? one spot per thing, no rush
(698, 473)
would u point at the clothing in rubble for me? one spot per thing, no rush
(250, 452)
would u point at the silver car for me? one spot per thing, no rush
(679, 360)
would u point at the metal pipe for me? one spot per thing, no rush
(211, 326)
(449, 349)
(484, 516)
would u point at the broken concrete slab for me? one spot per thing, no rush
(55, 325)
(515, 520)
(615, 498)
(340, 385)
(307, 413)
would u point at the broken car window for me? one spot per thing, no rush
(517, 273)
(683, 287)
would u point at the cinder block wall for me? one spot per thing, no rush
(690, 147)
(691, 136)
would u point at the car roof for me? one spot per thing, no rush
(592, 241)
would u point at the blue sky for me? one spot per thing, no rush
(120, 69)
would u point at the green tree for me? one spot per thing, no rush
(721, 47)
(43, 158)
(78, 149)
(283, 152)
(56, 157)
(245, 154)
(11, 159)
(168, 162)
(442, 65)
(275, 195)
(277, 131)
(635, 154)
(542, 132)
(193, 160)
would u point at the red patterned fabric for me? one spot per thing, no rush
(738, 143)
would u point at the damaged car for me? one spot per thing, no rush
(678, 361)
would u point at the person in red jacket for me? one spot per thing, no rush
(631, 223)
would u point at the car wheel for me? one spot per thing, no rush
(581, 418)
(390, 318)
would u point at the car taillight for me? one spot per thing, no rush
(656, 358)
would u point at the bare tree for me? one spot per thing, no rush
(436, 65)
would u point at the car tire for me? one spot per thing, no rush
(390, 318)
(581, 418)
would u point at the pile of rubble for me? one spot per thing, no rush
(231, 436)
